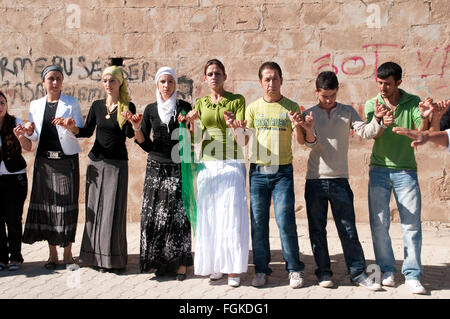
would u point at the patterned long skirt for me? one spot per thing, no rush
(53, 209)
(165, 228)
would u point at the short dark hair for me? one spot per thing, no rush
(327, 80)
(389, 69)
(269, 65)
(216, 62)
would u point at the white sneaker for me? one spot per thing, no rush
(364, 281)
(259, 279)
(234, 281)
(216, 276)
(416, 287)
(326, 282)
(296, 279)
(388, 279)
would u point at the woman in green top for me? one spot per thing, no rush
(222, 213)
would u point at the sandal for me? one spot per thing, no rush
(2, 266)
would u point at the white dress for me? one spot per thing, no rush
(222, 235)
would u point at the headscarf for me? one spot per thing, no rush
(166, 109)
(51, 68)
(124, 97)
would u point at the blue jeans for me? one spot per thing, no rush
(405, 185)
(336, 191)
(263, 185)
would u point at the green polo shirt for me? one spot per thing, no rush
(391, 150)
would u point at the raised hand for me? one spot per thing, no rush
(192, 116)
(441, 107)
(19, 131)
(29, 128)
(67, 123)
(388, 118)
(379, 110)
(134, 119)
(308, 122)
(427, 107)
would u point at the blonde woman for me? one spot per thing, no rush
(104, 244)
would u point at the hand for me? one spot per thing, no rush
(19, 131)
(68, 123)
(296, 118)
(134, 119)
(29, 128)
(440, 108)
(388, 118)
(418, 137)
(426, 107)
(380, 110)
(192, 116)
(308, 122)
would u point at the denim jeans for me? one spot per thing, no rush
(263, 185)
(336, 191)
(405, 185)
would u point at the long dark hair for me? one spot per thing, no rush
(12, 144)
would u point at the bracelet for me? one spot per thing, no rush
(137, 129)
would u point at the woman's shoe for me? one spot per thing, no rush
(180, 277)
(234, 281)
(2, 266)
(14, 265)
(216, 276)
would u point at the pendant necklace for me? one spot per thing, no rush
(108, 112)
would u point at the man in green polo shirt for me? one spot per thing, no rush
(393, 168)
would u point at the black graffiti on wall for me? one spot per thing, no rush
(17, 74)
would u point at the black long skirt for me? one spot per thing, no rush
(165, 228)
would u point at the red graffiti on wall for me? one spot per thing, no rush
(355, 65)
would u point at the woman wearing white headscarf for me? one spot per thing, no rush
(165, 228)
(104, 243)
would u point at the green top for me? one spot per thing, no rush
(391, 150)
(273, 130)
(218, 141)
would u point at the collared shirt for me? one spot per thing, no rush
(3, 170)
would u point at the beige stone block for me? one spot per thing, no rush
(282, 16)
(45, 44)
(182, 3)
(168, 20)
(93, 21)
(338, 38)
(292, 42)
(145, 3)
(103, 45)
(259, 43)
(239, 18)
(203, 19)
(126, 20)
(409, 13)
(139, 45)
(427, 36)
(353, 91)
(301, 92)
(217, 3)
(321, 14)
(440, 10)
(224, 43)
(251, 90)
(433, 86)
(182, 44)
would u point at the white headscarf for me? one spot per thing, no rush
(168, 108)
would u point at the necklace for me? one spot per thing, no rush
(108, 112)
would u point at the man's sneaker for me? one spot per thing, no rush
(416, 287)
(388, 279)
(259, 279)
(325, 281)
(364, 281)
(234, 281)
(216, 276)
(296, 279)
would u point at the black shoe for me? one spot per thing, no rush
(180, 277)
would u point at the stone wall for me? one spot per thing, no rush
(304, 37)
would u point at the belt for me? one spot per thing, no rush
(57, 155)
(268, 169)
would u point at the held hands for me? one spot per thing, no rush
(427, 107)
(306, 122)
(67, 123)
(232, 123)
(29, 128)
(441, 107)
(418, 137)
(380, 110)
(134, 119)
(20, 131)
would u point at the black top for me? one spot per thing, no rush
(109, 138)
(49, 139)
(445, 120)
(160, 149)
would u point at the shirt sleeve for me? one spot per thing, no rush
(240, 108)
(127, 127)
(445, 120)
(365, 130)
(448, 134)
(89, 126)
(146, 128)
